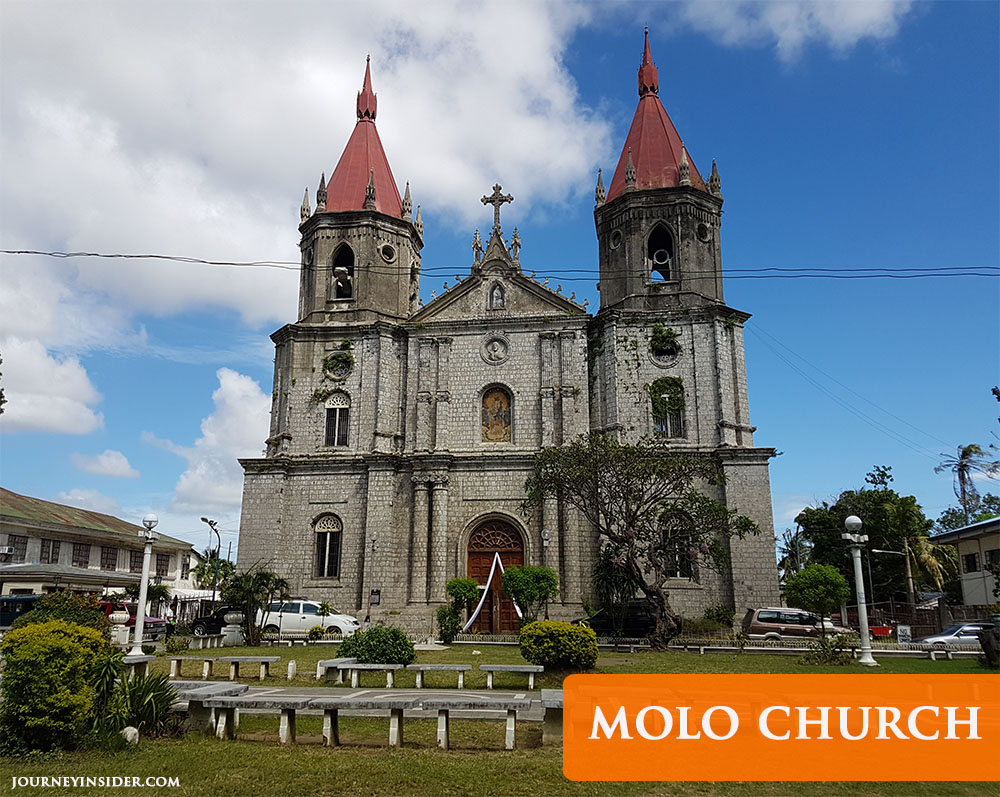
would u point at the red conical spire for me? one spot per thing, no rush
(655, 147)
(367, 102)
(363, 163)
(649, 77)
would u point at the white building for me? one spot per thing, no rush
(978, 551)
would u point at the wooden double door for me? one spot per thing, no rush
(498, 615)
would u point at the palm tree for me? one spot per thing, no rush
(971, 460)
(155, 594)
(936, 563)
(251, 592)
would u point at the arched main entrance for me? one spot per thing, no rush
(492, 537)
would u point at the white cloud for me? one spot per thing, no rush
(790, 25)
(213, 481)
(46, 393)
(90, 499)
(786, 507)
(110, 463)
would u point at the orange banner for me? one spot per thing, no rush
(781, 727)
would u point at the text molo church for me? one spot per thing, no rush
(402, 432)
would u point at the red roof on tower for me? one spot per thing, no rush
(364, 156)
(656, 146)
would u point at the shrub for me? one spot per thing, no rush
(148, 648)
(379, 645)
(464, 593)
(721, 613)
(79, 609)
(700, 625)
(449, 623)
(47, 691)
(175, 645)
(560, 646)
(530, 587)
(830, 650)
(144, 703)
(316, 632)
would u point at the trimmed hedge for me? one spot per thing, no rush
(559, 646)
(379, 644)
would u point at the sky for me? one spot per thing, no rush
(848, 136)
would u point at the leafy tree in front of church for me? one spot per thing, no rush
(530, 587)
(642, 499)
(818, 588)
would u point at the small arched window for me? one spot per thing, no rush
(496, 412)
(660, 253)
(666, 400)
(497, 297)
(343, 273)
(328, 531)
(338, 419)
(678, 549)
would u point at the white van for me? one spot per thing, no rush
(298, 616)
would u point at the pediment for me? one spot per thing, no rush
(497, 291)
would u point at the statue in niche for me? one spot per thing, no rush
(477, 246)
(496, 416)
(496, 298)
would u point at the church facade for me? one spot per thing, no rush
(402, 432)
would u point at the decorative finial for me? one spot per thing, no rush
(370, 191)
(321, 194)
(419, 223)
(649, 79)
(629, 172)
(599, 191)
(714, 181)
(407, 204)
(515, 246)
(458, 278)
(684, 170)
(572, 296)
(586, 302)
(497, 198)
(532, 273)
(304, 211)
(545, 281)
(446, 286)
(366, 97)
(477, 247)
(559, 288)
(433, 295)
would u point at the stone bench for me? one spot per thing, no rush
(195, 693)
(332, 706)
(388, 669)
(445, 705)
(207, 641)
(326, 667)
(137, 665)
(265, 663)
(552, 723)
(530, 669)
(177, 663)
(420, 669)
(226, 708)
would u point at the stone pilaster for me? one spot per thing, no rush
(442, 403)
(439, 538)
(419, 540)
(387, 397)
(553, 552)
(424, 387)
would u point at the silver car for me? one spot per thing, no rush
(962, 634)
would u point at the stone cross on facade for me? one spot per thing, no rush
(497, 199)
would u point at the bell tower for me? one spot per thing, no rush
(658, 223)
(361, 245)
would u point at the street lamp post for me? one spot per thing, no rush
(149, 521)
(855, 541)
(218, 553)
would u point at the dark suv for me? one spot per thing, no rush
(639, 621)
(207, 624)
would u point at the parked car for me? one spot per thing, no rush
(639, 621)
(211, 623)
(962, 634)
(299, 615)
(154, 627)
(13, 606)
(784, 623)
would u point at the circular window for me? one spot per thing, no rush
(388, 253)
(661, 257)
(704, 233)
(616, 239)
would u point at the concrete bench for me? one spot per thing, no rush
(177, 663)
(226, 708)
(552, 723)
(445, 705)
(388, 669)
(195, 693)
(265, 663)
(207, 641)
(530, 669)
(137, 665)
(332, 706)
(326, 667)
(420, 669)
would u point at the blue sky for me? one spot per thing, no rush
(848, 136)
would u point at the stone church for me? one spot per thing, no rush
(402, 432)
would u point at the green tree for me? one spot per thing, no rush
(641, 497)
(204, 572)
(614, 586)
(155, 594)
(251, 592)
(530, 587)
(819, 589)
(969, 461)
(464, 593)
(953, 517)
(64, 605)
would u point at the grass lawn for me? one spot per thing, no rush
(255, 764)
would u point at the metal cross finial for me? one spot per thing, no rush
(497, 199)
